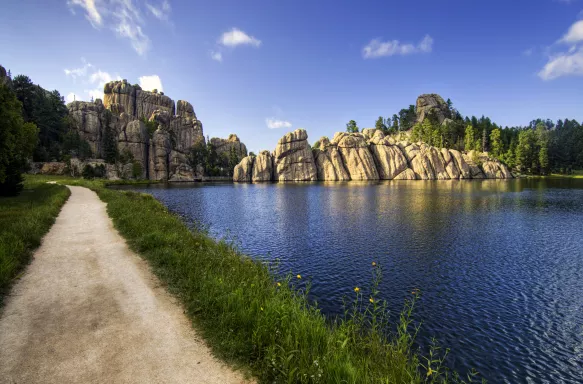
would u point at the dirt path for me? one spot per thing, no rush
(88, 310)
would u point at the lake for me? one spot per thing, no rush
(499, 263)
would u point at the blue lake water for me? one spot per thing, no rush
(499, 263)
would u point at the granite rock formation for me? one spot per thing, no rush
(365, 156)
(432, 105)
(293, 158)
(163, 153)
(225, 146)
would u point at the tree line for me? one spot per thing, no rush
(541, 147)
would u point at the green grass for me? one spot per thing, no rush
(23, 222)
(264, 323)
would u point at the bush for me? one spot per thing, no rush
(88, 172)
(137, 170)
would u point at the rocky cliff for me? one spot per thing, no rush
(364, 156)
(161, 151)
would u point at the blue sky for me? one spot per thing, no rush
(262, 68)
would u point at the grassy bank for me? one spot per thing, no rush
(261, 322)
(23, 222)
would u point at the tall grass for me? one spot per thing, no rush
(24, 220)
(263, 322)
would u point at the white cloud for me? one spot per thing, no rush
(161, 12)
(564, 64)
(124, 17)
(569, 62)
(377, 48)
(275, 124)
(217, 56)
(237, 37)
(149, 83)
(93, 78)
(71, 96)
(91, 12)
(575, 33)
(78, 72)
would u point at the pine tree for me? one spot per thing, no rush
(352, 127)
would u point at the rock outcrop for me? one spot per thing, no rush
(244, 170)
(293, 158)
(329, 163)
(389, 159)
(432, 105)
(357, 158)
(232, 143)
(351, 156)
(163, 153)
(262, 167)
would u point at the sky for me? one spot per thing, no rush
(263, 68)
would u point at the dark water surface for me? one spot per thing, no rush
(499, 263)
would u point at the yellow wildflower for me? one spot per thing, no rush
(356, 289)
(299, 276)
(261, 308)
(371, 300)
(278, 284)
(429, 371)
(374, 264)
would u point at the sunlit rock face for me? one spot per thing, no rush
(293, 158)
(356, 155)
(368, 156)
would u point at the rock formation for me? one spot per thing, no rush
(161, 153)
(263, 167)
(390, 161)
(243, 171)
(224, 146)
(329, 163)
(293, 158)
(358, 159)
(432, 105)
(364, 156)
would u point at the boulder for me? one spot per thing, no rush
(432, 105)
(475, 171)
(461, 164)
(419, 161)
(368, 133)
(186, 132)
(437, 163)
(263, 167)
(185, 109)
(179, 168)
(450, 166)
(407, 174)
(293, 158)
(389, 158)
(358, 159)
(243, 171)
(329, 164)
(136, 102)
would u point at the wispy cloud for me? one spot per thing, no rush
(124, 17)
(569, 62)
(217, 56)
(378, 48)
(275, 124)
(236, 37)
(149, 83)
(528, 52)
(93, 79)
(161, 12)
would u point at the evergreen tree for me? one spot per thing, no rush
(17, 142)
(495, 143)
(469, 138)
(109, 140)
(380, 124)
(352, 127)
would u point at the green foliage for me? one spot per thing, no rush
(352, 127)
(151, 126)
(88, 172)
(73, 145)
(470, 138)
(137, 170)
(526, 152)
(17, 142)
(252, 154)
(47, 111)
(496, 143)
(212, 163)
(23, 221)
(380, 124)
(316, 145)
